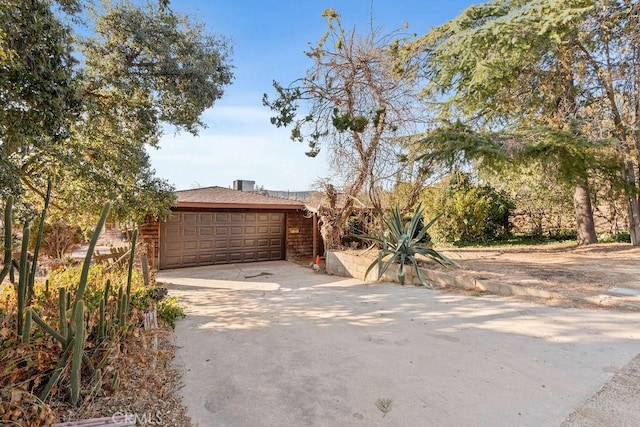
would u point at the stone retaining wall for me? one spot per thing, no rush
(355, 265)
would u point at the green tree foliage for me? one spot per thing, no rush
(564, 70)
(468, 212)
(38, 89)
(88, 121)
(542, 204)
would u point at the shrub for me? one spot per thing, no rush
(69, 277)
(469, 213)
(169, 310)
(58, 238)
(401, 241)
(614, 237)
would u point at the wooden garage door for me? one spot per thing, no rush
(202, 238)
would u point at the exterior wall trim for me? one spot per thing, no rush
(201, 205)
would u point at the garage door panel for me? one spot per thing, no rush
(275, 230)
(190, 245)
(190, 217)
(205, 231)
(173, 260)
(174, 246)
(275, 254)
(205, 258)
(189, 259)
(221, 258)
(206, 245)
(203, 238)
(172, 232)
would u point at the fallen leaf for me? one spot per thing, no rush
(16, 396)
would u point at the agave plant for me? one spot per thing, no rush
(401, 241)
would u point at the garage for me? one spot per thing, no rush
(190, 239)
(217, 225)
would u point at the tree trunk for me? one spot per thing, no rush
(633, 206)
(584, 215)
(634, 220)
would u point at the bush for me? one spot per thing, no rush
(58, 238)
(469, 213)
(69, 277)
(614, 238)
(169, 310)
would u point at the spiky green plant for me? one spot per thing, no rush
(36, 249)
(101, 320)
(132, 258)
(82, 285)
(8, 235)
(78, 352)
(400, 243)
(26, 328)
(62, 311)
(23, 280)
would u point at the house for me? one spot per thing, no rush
(217, 225)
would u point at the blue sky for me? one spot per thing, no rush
(269, 39)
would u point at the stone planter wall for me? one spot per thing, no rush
(355, 265)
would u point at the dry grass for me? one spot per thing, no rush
(135, 375)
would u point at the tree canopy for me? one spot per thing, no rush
(561, 71)
(82, 102)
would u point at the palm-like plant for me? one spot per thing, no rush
(402, 240)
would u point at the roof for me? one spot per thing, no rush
(220, 197)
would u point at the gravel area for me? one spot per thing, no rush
(615, 404)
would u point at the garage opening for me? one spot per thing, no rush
(191, 239)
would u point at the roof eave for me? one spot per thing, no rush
(203, 205)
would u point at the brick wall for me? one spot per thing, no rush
(299, 237)
(149, 233)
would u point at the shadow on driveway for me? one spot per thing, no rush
(278, 344)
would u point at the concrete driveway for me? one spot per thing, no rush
(276, 344)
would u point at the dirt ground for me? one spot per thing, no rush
(581, 274)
